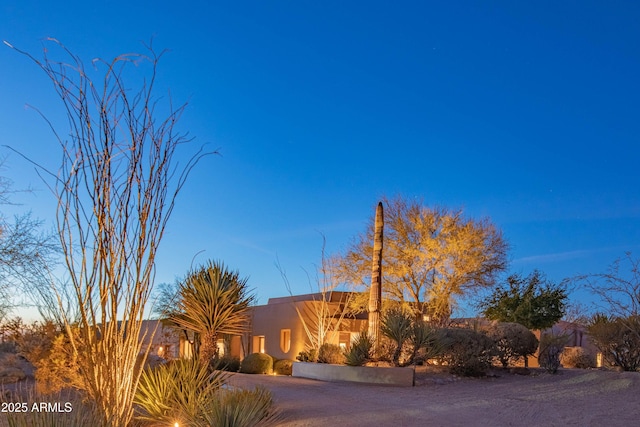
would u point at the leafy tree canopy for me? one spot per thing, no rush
(532, 301)
(430, 256)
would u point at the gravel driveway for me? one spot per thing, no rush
(570, 398)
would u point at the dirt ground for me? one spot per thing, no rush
(569, 398)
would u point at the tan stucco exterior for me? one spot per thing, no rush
(281, 327)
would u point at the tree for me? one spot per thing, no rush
(431, 256)
(26, 253)
(322, 317)
(211, 301)
(512, 340)
(618, 288)
(531, 301)
(116, 189)
(617, 333)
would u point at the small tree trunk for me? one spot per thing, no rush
(375, 292)
(208, 347)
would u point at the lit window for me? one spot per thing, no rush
(258, 344)
(285, 340)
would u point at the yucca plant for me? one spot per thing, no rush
(179, 390)
(396, 325)
(211, 301)
(360, 351)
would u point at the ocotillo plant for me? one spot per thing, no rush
(375, 292)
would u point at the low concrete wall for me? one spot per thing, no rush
(360, 374)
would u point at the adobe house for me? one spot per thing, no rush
(286, 326)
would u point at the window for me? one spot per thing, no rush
(258, 344)
(285, 340)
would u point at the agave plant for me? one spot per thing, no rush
(396, 325)
(211, 301)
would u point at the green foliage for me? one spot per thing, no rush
(412, 340)
(330, 353)
(227, 363)
(360, 351)
(179, 390)
(551, 347)
(577, 357)
(424, 344)
(396, 325)
(211, 301)
(531, 301)
(257, 363)
(465, 351)
(618, 339)
(240, 408)
(283, 367)
(185, 391)
(512, 341)
(310, 355)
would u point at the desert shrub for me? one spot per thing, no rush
(360, 351)
(71, 411)
(577, 357)
(330, 353)
(465, 351)
(8, 347)
(618, 339)
(512, 341)
(550, 350)
(310, 355)
(10, 369)
(178, 390)
(227, 363)
(283, 367)
(257, 363)
(36, 341)
(240, 408)
(59, 367)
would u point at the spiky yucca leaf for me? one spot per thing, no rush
(241, 408)
(177, 391)
(213, 300)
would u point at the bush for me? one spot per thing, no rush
(257, 363)
(59, 367)
(360, 351)
(185, 390)
(310, 355)
(512, 341)
(240, 408)
(330, 353)
(618, 339)
(465, 351)
(550, 350)
(283, 367)
(181, 389)
(577, 357)
(227, 363)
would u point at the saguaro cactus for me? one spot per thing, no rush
(375, 292)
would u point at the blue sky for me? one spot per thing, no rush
(525, 112)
